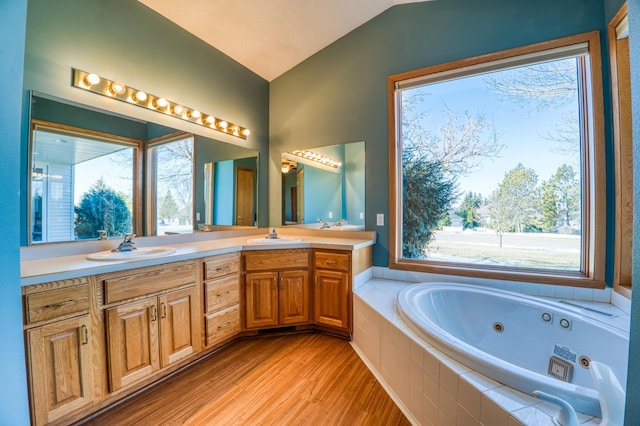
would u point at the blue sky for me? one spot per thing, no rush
(521, 130)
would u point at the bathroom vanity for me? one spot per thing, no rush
(98, 331)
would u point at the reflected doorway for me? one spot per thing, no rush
(244, 197)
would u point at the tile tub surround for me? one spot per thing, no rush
(430, 387)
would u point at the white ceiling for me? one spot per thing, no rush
(270, 36)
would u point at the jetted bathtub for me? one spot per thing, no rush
(525, 342)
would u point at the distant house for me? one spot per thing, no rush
(455, 223)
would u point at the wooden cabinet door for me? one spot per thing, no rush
(331, 291)
(61, 368)
(293, 297)
(132, 334)
(179, 325)
(261, 295)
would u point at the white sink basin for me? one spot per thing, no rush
(279, 240)
(138, 254)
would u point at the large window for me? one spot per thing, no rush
(170, 163)
(494, 167)
(82, 182)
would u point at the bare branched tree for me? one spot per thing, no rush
(541, 87)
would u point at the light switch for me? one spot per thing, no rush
(380, 219)
(197, 215)
(330, 215)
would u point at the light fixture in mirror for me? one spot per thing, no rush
(327, 194)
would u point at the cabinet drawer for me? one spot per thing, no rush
(50, 304)
(275, 259)
(331, 260)
(222, 293)
(219, 266)
(222, 325)
(155, 279)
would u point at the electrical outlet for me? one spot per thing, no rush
(330, 215)
(198, 216)
(361, 215)
(380, 219)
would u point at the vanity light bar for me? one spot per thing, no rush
(116, 90)
(318, 158)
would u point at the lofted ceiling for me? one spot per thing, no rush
(270, 36)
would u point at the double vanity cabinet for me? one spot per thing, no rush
(95, 339)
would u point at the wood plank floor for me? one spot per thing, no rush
(302, 379)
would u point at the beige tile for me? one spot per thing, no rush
(447, 404)
(430, 388)
(492, 414)
(469, 396)
(429, 413)
(431, 365)
(448, 379)
(464, 418)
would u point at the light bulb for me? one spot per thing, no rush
(117, 88)
(91, 79)
(140, 96)
(285, 168)
(210, 120)
(246, 132)
(160, 103)
(194, 114)
(178, 110)
(223, 124)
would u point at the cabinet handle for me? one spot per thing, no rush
(84, 334)
(154, 312)
(225, 325)
(224, 293)
(164, 310)
(60, 304)
(331, 262)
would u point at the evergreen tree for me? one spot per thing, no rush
(468, 210)
(102, 208)
(428, 195)
(168, 208)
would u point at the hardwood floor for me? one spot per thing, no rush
(302, 379)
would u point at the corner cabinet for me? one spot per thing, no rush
(332, 289)
(276, 288)
(152, 320)
(59, 351)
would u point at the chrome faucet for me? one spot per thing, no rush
(127, 244)
(325, 225)
(102, 234)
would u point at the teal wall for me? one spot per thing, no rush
(339, 95)
(632, 414)
(124, 40)
(13, 392)
(322, 194)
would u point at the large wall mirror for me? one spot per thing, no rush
(324, 187)
(92, 171)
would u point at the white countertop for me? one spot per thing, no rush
(64, 261)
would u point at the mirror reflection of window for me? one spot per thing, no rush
(171, 167)
(80, 183)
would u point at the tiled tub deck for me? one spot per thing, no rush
(430, 387)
